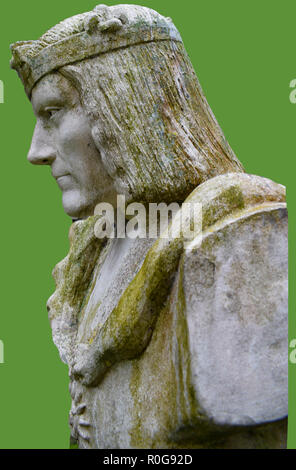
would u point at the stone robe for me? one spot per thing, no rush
(180, 345)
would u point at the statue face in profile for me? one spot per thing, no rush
(63, 140)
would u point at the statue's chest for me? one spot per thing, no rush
(119, 262)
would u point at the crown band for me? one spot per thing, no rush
(32, 59)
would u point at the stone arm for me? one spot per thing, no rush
(235, 290)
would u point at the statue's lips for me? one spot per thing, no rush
(63, 180)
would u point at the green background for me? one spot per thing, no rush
(243, 53)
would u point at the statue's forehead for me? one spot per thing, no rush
(53, 87)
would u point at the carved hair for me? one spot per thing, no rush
(151, 122)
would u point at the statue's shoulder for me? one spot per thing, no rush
(235, 290)
(233, 193)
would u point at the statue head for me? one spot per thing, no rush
(119, 109)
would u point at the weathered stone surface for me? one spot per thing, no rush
(170, 343)
(236, 288)
(217, 355)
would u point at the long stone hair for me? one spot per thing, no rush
(150, 120)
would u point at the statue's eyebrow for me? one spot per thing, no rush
(43, 103)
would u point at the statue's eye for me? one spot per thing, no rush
(51, 111)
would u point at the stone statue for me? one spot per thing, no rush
(169, 344)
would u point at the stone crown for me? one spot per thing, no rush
(87, 35)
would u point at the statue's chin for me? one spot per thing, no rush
(75, 205)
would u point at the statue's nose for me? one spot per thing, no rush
(41, 151)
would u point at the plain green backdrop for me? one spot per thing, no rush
(244, 55)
